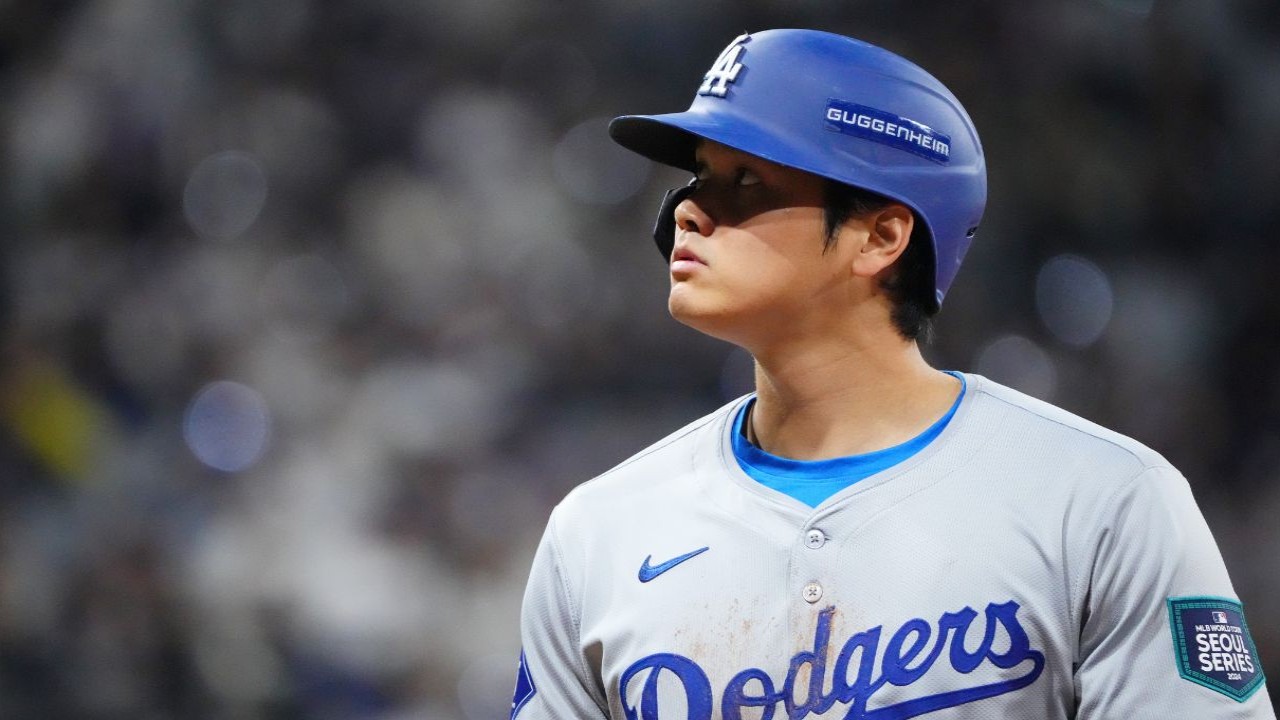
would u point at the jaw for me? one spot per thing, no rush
(707, 311)
(769, 326)
(749, 323)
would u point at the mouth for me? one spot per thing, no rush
(685, 264)
(685, 255)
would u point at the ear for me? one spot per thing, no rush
(888, 231)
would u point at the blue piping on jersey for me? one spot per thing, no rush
(813, 481)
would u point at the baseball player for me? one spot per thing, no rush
(863, 536)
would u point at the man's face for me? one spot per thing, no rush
(748, 261)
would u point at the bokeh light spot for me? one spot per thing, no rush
(224, 194)
(1021, 364)
(227, 426)
(1074, 299)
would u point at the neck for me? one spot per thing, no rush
(845, 396)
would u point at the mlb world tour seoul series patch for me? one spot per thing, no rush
(1212, 645)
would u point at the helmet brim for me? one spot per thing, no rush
(672, 138)
(655, 138)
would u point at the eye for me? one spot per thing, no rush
(746, 178)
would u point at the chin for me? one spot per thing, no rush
(702, 314)
(687, 303)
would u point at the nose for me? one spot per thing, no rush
(691, 217)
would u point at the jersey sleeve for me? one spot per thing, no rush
(1163, 634)
(554, 680)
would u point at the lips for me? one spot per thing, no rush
(684, 254)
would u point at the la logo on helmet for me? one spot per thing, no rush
(725, 69)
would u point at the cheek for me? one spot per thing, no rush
(777, 271)
(766, 284)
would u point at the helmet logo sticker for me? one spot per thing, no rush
(725, 69)
(885, 127)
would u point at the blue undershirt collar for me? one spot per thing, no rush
(813, 481)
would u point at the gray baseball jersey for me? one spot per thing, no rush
(1026, 564)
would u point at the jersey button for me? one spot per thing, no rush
(812, 592)
(814, 539)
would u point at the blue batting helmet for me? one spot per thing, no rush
(839, 108)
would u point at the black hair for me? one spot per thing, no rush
(910, 285)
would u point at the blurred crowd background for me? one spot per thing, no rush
(312, 309)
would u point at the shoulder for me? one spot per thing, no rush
(1086, 481)
(1043, 434)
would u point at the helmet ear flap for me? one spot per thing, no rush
(664, 228)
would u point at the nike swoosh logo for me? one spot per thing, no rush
(649, 572)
